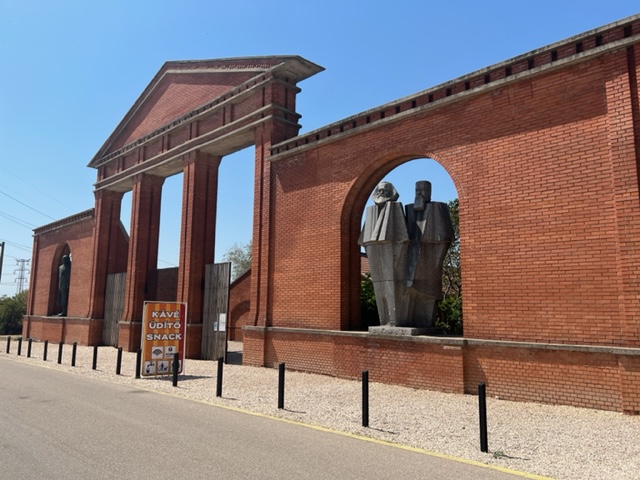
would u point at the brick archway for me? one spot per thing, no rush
(543, 150)
(351, 222)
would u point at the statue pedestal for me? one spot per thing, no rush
(403, 331)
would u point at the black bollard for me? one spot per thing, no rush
(281, 386)
(176, 367)
(482, 405)
(60, 353)
(8, 344)
(365, 398)
(46, 348)
(138, 362)
(219, 379)
(73, 354)
(119, 361)
(94, 365)
(29, 343)
(19, 346)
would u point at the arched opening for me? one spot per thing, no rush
(403, 173)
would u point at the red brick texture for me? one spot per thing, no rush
(590, 377)
(545, 253)
(197, 241)
(239, 305)
(544, 152)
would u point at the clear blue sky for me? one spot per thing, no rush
(71, 69)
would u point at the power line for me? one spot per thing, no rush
(17, 245)
(28, 206)
(17, 221)
(43, 192)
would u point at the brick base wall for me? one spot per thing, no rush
(582, 376)
(84, 331)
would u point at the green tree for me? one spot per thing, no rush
(451, 306)
(240, 257)
(368, 309)
(11, 311)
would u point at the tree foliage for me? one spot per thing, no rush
(368, 309)
(451, 306)
(11, 311)
(240, 257)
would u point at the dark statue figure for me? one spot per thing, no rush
(64, 278)
(406, 255)
(386, 240)
(431, 233)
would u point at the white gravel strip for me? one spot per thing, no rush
(553, 441)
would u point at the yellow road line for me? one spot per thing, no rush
(320, 428)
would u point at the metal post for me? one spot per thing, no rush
(9, 344)
(281, 386)
(219, 379)
(94, 365)
(19, 346)
(482, 404)
(119, 361)
(365, 398)
(29, 343)
(60, 353)
(176, 367)
(73, 354)
(1, 259)
(46, 348)
(138, 362)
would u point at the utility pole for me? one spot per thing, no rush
(1, 258)
(22, 273)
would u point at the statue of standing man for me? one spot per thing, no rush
(385, 240)
(431, 233)
(64, 278)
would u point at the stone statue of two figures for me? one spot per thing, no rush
(406, 251)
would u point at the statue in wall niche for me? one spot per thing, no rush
(386, 240)
(431, 233)
(406, 252)
(64, 278)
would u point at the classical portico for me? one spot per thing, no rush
(189, 117)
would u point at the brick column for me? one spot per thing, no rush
(623, 128)
(107, 218)
(143, 254)
(197, 238)
(261, 261)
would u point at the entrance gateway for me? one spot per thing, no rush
(543, 151)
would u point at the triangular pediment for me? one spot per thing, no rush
(183, 86)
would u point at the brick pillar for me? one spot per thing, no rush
(143, 255)
(197, 238)
(623, 129)
(33, 277)
(107, 218)
(261, 261)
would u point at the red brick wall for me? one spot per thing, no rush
(541, 193)
(239, 305)
(581, 379)
(68, 330)
(590, 377)
(411, 361)
(44, 273)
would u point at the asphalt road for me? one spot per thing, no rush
(58, 425)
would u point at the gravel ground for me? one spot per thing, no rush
(553, 441)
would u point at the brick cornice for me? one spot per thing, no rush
(65, 222)
(575, 49)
